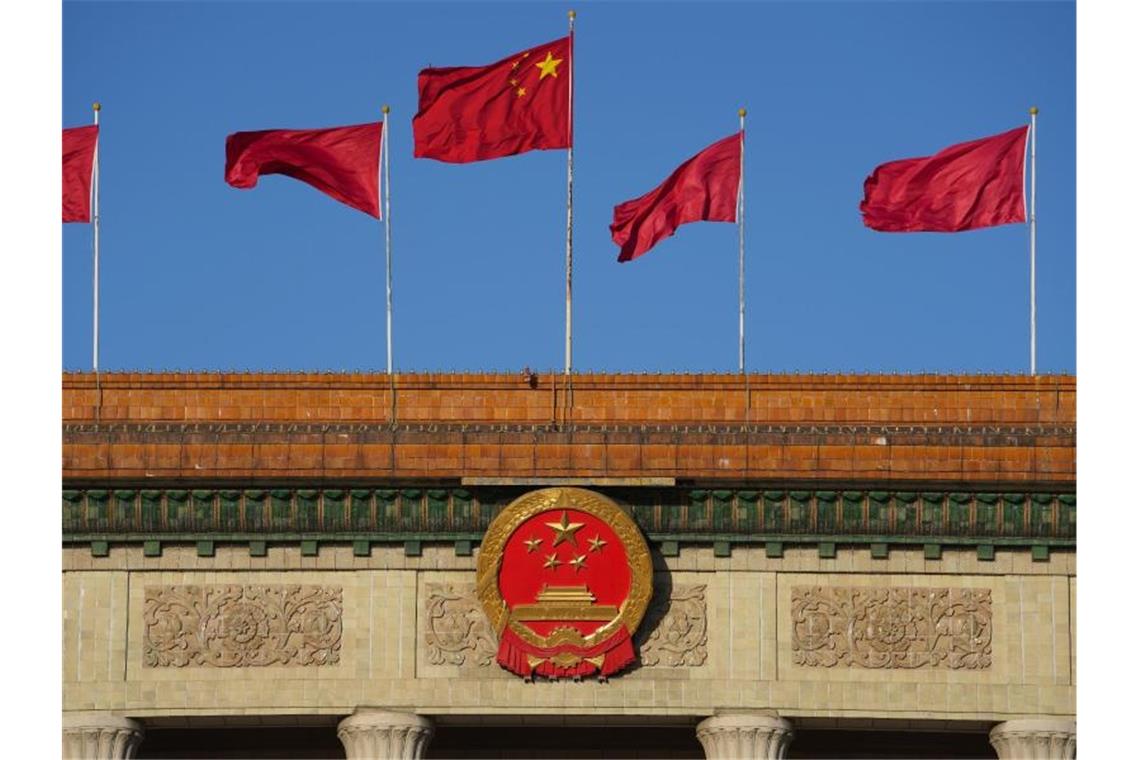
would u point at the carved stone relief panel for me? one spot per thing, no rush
(680, 636)
(234, 626)
(456, 631)
(873, 627)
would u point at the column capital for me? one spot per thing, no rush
(100, 736)
(372, 733)
(744, 735)
(1035, 739)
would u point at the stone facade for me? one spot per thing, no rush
(870, 592)
(410, 628)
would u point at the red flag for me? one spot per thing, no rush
(704, 188)
(472, 113)
(974, 184)
(79, 145)
(342, 162)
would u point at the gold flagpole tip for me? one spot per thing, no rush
(1033, 110)
(96, 107)
(572, 15)
(384, 108)
(743, 112)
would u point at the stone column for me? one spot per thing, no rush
(373, 734)
(1035, 739)
(743, 736)
(100, 736)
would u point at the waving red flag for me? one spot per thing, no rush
(704, 188)
(342, 162)
(963, 187)
(79, 144)
(521, 103)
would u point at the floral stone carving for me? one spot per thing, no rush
(455, 627)
(681, 636)
(892, 627)
(232, 626)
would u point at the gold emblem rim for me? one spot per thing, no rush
(490, 559)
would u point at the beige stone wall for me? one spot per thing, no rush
(739, 655)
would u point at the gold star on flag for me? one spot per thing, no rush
(532, 544)
(552, 562)
(579, 562)
(596, 544)
(520, 91)
(564, 530)
(548, 66)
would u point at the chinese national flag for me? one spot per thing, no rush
(704, 188)
(342, 162)
(966, 186)
(472, 113)
(79, 145)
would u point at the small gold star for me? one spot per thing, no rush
(532, 544)
(520, 91)
(579, 562)
(552, 562)
(596, 544)
(548, 66)
(515, 65)
(564, 531)
(514, 82)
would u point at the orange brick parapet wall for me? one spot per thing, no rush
(852, 428)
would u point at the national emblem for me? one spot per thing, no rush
(564, 615)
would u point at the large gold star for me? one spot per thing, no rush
(564, 531)
(532, 544)
(579, 562)
(549, 66)
(552, 562)
(596, 544)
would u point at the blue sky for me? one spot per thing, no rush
(198, 275)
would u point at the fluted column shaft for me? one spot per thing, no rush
(370, 734)
(740, 737)
(1035, 739)
(100, 736)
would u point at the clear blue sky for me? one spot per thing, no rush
(198, 275)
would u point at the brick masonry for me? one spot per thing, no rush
(871, 428)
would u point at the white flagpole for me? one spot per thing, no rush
(387, 182)
(570, 206)
(1033, 240)
(95, 248)
(740, 226)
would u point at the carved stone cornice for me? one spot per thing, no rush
(677, 513)
(233, 626)
(891, 627)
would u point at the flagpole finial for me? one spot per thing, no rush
(385, 109)
(1033, 110)
(96, 106)
(743, 112)
(572, 15)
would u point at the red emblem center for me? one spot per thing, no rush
(564, 568)
(564, 576)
